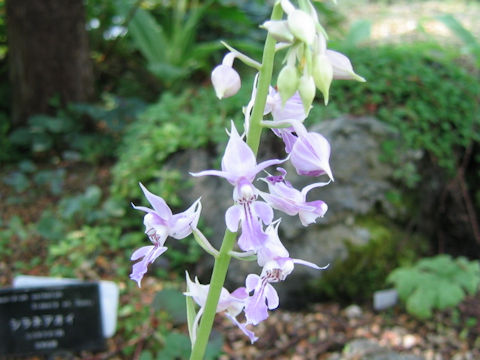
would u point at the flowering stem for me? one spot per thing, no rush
(253, 140)
(216, 283)
(264, 80)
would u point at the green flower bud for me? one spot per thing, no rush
(307, 90)
(279, 30)
(287, 82)
(322, 75)
(302, 26)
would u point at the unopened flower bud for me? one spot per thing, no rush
(287, 6)
(307, 90)
(342, 67)
(279, 30)
(226, 81)
(322, 75)
(302, 26)
(287, 82)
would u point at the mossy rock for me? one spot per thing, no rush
(365, 268)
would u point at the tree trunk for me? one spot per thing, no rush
(48, 55)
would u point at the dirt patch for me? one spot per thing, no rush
(398, 21)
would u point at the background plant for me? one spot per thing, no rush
(190, 120)
(397, 93)
(439, 282)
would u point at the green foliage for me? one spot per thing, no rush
(422, 92)
(27, 179)
(359, 32)
(472, 45)
(171, 47)
(190, 120)
(173, 302)
(10, 229)
(43, 133)
(79, 131)
(364, 271)
(439, 282)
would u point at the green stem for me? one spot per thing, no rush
(253, 140)
(264, 80)
(216, 283)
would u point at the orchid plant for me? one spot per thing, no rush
(251, 232)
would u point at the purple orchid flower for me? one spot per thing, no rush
(265, 296)
(277, 265)
(239, 167)
(293, 109)
(239, 161)
(159, 224)
(284, 197)
(311, 153)
(231, 304)
(249, 213)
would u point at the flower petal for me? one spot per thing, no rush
(232, 217)
(310, 155)
(253, 236)
(139, 253)
(238, 160)
(158, 204)
(211, 173)
(263, 211)
(273, 247)
(138, 270)
(256, 310)
(252, 281)
(243, 328)
(264, 165)
(342, 67)
(143, 208)
(181, 224)
(240, 293)
(317, 209)
(271, 296)
(310, 264)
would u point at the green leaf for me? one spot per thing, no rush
(448, 294)
(92, 195)
(177, 346)
(214, 346)
(359, 32)
(41, 142)
(472, 44)
(420, 303)
(171, 301)
(404, 280)
(441, 264)
(146, 355)
(148, 36)
(469, 276)
(437, 282)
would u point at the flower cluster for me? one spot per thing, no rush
(252, 213)
(308, 65)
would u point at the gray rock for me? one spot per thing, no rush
(353, 311)
(368, 349)
(361, 183)
(384, 299)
